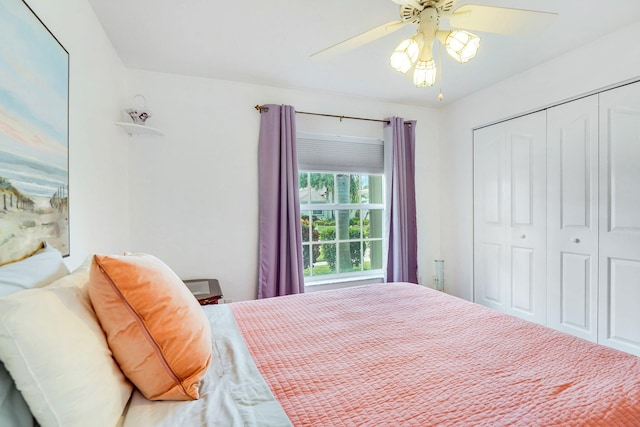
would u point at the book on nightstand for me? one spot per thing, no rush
(206, 291)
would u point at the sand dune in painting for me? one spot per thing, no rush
(26, 221)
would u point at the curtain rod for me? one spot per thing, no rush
(261, 108)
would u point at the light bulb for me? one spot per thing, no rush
(405, 55)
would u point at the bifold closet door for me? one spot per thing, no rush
(510, 216)
(526, 255)
(572, 218)
(490, 217)
(619, 296)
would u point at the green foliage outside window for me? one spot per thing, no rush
(315, 234)
(329, 251)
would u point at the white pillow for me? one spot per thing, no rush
(40, 269)
(57, 354)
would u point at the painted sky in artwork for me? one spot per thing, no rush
(33, 103)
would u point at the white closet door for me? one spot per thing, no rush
(510, 216)
(489, 216)
(526, 217)
(619, 296)
(572, 218)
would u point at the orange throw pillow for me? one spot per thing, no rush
(155, 328)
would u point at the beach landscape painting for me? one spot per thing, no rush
(34, 116)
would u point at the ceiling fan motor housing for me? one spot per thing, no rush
(429, 22)
(410, 13)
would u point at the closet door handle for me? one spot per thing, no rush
(575, 240)
(523, 236)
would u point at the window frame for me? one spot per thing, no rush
(308, 207)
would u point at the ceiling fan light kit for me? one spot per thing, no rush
(461, 45)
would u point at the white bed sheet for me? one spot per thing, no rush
(233, 393)
(13, 408)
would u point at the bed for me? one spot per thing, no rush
(385, 354)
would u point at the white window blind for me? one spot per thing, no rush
(331, 153)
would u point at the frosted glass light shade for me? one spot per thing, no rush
(405, 55)
(424, 73)
(462, 45)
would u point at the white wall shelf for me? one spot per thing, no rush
(134, 129)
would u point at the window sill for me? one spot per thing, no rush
(344, 282)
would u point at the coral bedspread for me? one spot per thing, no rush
(402, 354)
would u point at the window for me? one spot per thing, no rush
(342, 224)
(341, 189)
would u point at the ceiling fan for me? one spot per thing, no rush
(417, 51)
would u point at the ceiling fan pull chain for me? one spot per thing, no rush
(440, 95)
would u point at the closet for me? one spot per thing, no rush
(557, 217)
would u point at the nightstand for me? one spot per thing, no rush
(206, 291)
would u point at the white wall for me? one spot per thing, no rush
(194, 192)
(607, 61)
(98, 151)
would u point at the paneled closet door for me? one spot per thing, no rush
(489, 178)
(510, 216)
(572, 218)
(619, 296)
(526, 217)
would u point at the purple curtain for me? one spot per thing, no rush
(402, 254)
(280, 235)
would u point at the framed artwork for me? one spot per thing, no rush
(34, 134)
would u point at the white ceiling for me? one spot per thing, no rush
(269, 42)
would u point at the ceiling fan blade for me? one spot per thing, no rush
(413, 3)
(501, 20)
(359, 40)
